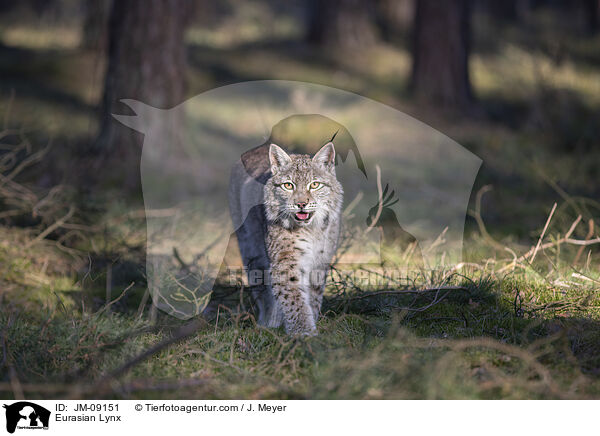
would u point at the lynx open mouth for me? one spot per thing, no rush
(303, 216)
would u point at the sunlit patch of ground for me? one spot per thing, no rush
(502, 324)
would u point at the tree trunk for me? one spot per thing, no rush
(395, 18)
(146, 62)
(505, 10)
(341, 23)
(440, 73)
(592, 15)
(95, 25)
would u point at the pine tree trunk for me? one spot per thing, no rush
(95, 25)
(146, 62)
(395, 18)
(341, 23)
(592, 15)
(440, 72)
(505, 10)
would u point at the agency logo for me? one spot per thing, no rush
(206, 163)
(26, 415)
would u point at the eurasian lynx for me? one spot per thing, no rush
(293, 234)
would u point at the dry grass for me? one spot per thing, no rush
(518, 318)
(503, 327)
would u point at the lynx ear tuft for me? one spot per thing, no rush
(325, 156)
(278, 158)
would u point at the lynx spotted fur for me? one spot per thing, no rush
(292, 235)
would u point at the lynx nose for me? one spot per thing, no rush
(301, 205)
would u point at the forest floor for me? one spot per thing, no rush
(511, 321)
(521, 333)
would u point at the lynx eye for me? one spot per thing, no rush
(315, 185)
(288, 186)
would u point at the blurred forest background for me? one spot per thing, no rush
(517, 82)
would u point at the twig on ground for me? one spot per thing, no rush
(181, 334)
(108, 306)
(52, 227)
(407, 291)
(589, 236)
(564, 240)
(476, 214)
(537, 247)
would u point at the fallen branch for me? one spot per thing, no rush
(537, 247)
(52, 227)
(407, 291)
(476, 214)
(564, 240)
(182, 333)
(589, 236)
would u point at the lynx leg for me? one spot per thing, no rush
(295, 304)
(317, 286)
(316, 300)
(272, 315)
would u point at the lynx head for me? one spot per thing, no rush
(303, 190)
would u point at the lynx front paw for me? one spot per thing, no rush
(303, 333)
(301, 326)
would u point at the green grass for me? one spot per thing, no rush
(522, 334)
(528, 332)
(353, 357)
